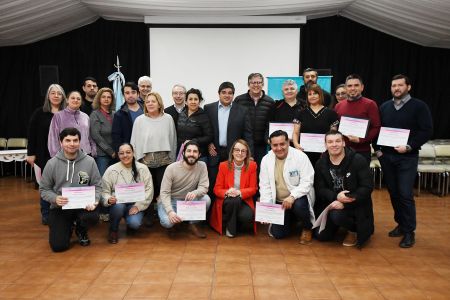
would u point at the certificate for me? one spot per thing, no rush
(269, 213)
(128, 193)
(353, 126)
(312, 142)
(287, 127)
(393, 137)
(321, 220)
(191, 210)
(79, 197)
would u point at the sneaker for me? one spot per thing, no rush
(83, 238)
(350, 239)
(396, 232)
(228, 233)
(113, 237)
(197, 231)
(104, 217)
(306, 237)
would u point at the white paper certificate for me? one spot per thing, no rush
(288, 127)
(79, 197)
(393, 137)
(128, 193)
(312, 142)
(37, 173)
(269, 213)
(353, 126)
(191, 210)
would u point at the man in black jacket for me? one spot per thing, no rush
(343, 185)
(230, 122)
(179, 102)
(399, 164)
(310, 76)
(259, 106)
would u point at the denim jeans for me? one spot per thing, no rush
(103, 162)
(45, 207)
(164, 217)
(119, 211)
(299, 210)
(399, 171)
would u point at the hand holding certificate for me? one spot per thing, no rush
(269, 213)
(191, 210)
(287, 127)
(130, 193)
(79, 197)
(353, 126)
(312, 142)
(393, 137)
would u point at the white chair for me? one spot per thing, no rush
(3, 146)
(427, 166)
(18, 143)
(442, 160)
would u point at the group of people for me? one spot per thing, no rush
(218, 154)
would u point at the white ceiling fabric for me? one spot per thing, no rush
(423, 22)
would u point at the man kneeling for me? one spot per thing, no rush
(286, 177)
(344, 184)
(70, 167)
(185, 180)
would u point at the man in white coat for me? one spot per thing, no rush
(287, 178)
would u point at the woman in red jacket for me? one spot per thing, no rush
(234, 190)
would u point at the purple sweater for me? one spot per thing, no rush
(70, 118)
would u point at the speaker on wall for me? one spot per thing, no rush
(48, 74)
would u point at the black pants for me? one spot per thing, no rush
(157, 176)
(337, 218)
(299, 211)
(61, 223)
(213, 168)
(236, 213)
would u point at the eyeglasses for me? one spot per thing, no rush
(256, 82)
(242, 151)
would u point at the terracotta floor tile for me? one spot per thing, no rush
(232, 278)
(341, 268)
(94, 267)
(318, 292)
(10, 276)
(81, 278)
(195, 266)
(304, 268)
(270, 293)
(358, 292)
(266, 267)
(386, 280)
(116, 266)
(37, 277)
(121, 277)
(351, 280)
(16, 291)
(400, 293)
(189, 291)
(275, 279)
(148, 291)
(193, 277)
(232, 267)
(307, 280)
(154, 278)
(244, 292)
(159, 266)
(106, 291)
(64, 291)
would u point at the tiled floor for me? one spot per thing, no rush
(152, 266)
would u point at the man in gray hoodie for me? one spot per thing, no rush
(70, 167)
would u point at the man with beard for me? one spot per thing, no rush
(357, 106)
(310, 76)
(399, 164)
(123, 121)
(185, 180)
(90, 89)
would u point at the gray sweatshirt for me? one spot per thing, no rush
(61, 172)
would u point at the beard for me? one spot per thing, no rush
(190, 160)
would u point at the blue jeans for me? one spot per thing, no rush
(103, 162)
(299, 210)
(119, 211)
(164, 217)
(399, 171)
(45, 207)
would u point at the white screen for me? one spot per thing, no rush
(203, 58)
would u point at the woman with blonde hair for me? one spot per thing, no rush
(154, 139)
(234, 189)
